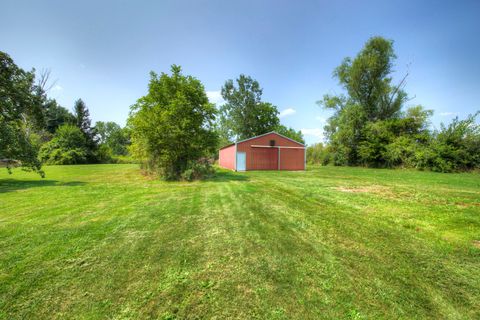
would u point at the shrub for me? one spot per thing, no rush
(198, 170)
(104, 154)
(455, 147)
(124, 159)
(319, 154)
(68, 146)
(65, 156)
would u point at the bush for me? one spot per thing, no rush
(62, 156)
(68, 146)
(198, 170)
(104, 154)
(455, 147)
(124, 159)
(319, 154)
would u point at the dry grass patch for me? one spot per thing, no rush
(476, 243)
(376, 189)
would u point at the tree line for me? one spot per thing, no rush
(36, 130)
(370, 125)
(174, 131)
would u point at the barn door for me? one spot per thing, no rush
(241, 161)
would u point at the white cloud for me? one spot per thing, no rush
(447, 114)
(315, 132)
(57, 88)
(321, 119)
(215, 97)
(287, 112)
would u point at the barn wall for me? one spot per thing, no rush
(226, 157)
(267, 158)
(292, 159)
(263, 159)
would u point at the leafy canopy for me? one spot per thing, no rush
(68, 146)
(244, 114)
(369, 115)
(20, 114)
(290, 133)
(172, 126)
(455, 147)
(113, 136)
(56, 116)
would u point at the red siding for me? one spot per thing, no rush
(267, 158)
(263, 159)
(292, 159)
(226, 157)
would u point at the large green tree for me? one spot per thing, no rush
(172, 126)
(20, 114)
(113, 136)
(369, 97)
(244, 114)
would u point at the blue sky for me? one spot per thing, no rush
(102, 51)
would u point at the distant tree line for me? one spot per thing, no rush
(174, 131)
(370, 126)
(35, 129)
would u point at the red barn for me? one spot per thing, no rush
(269, 151)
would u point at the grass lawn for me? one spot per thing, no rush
(102, 241)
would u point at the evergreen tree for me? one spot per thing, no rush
(84, 123)
(82, 118)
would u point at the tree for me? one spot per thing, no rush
(20, 113)
(318, 154)
(82, 118)
(83, 122)
(369, 97)
(394, 142)
(244, 115)
(290, 133)
(455, 147)
(172, 126)
(68, 146)
(368, 83)
(56, 116)
(113, 136)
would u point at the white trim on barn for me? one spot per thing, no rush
(305, 160)
(279, 147)
(279, 158)
(235, 157)
(281, 135)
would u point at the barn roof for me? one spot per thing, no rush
(274, 132)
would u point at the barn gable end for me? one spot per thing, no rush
(270, 151)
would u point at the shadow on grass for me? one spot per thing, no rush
(9, 185)
(226, 176)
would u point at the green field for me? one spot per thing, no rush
(103, 241)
